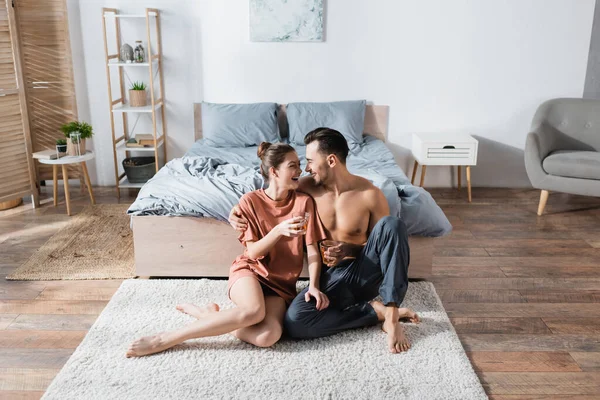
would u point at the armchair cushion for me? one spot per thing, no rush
(573, 164)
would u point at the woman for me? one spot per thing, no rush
(262, 281)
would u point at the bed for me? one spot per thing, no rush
(172, 241)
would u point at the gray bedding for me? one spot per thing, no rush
(208, 181)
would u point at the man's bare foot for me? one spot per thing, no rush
(379, 309)
(147, 345)
(406, 314)
(396, 339)
(197, 311)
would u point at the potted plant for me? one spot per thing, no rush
(137, 94)
(76, 133)
(61, 146)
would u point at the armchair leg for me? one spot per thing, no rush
(543, 199)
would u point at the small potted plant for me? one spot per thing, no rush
(76, 133)
(61, 146)
(137, 94)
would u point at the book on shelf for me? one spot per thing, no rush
(141, 140)
(48, 154)
(145, 139)
(137, 145)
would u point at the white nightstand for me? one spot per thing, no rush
(444, 149)
(63, 162)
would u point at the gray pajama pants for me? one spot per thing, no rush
(381, 268)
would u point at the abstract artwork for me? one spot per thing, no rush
(286, 20)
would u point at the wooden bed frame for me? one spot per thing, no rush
(204, 247)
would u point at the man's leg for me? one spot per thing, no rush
(381, 268)
(304, 321)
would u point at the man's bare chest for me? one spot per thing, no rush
(344, 216)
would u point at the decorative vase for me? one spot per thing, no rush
(126, 53)
(137, 98)
(75, 149)
(139, 54)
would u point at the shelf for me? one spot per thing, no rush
(112, 18)
(124, 183)
(112, 15)
(129, 109)
(122, 146)
(132, 64)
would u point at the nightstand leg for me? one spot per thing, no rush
(66, 182)
(423, 169)
(86, 176)
(469, 181)
(458, 171)
(412, 181)
(55, 182)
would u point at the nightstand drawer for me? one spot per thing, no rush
(431, 150)
(436, 150)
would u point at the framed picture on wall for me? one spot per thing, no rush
(286, 21)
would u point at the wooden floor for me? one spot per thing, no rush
(522, 292)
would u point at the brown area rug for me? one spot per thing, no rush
(96, 244)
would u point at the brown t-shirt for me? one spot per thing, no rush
(280, 268)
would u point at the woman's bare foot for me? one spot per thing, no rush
(406, 314)
(197, 311)
(397, 341)
(147, 345)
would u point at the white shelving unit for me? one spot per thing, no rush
(128, 109)
(119, 106)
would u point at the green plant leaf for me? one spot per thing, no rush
(83, 128)
(137, 85)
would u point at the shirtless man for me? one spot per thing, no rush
(371, 259)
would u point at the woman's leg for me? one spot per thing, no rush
(250, 310)
(197, 311)
(267, 332)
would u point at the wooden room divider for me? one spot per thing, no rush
(48, 74)
(17, 175)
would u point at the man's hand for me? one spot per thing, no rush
(236, 220)
(335, 254)
(322, 299)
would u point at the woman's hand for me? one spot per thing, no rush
(291, 227)
(322, 299)
(236, 220)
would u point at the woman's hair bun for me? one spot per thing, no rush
(262, 149)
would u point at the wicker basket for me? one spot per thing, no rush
(144, 169)
(5, 205)
(137, 98)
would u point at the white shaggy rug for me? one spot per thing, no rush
(354, 364)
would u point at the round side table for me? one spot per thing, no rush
(63, 162)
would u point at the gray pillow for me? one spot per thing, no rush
(239, 125)
(347, 117)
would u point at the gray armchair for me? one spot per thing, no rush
(562, 152)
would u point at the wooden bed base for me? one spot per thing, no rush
(205, 247)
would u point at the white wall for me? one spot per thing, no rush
(475, 66)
